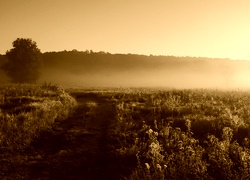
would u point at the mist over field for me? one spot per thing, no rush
(89, 69)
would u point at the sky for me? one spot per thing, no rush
(199, 28)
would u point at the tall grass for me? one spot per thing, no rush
(26, 110)
(185, 134)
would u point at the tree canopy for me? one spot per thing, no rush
(24, 61)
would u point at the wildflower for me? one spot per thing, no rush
(188, 124)
(183, 136)
(161, 134)
(158, 166)
(193, 141)
(178, 129)
(190, 151)
(147, 166)
(150, 131)
(136, 140)
(155, 123)
(155, 146)
(245, 156)
(180, 145)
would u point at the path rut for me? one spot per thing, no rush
(76, 148)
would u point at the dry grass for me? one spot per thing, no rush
(26, 110)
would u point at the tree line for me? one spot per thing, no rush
(24, 63)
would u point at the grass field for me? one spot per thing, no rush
(119, 133)
(185, 134)
(26, 110)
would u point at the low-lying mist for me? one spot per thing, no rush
(89, 69)
(170, 78)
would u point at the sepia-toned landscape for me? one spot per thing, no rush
(99, 119)
(125, 90)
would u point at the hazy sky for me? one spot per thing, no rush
(207, 28)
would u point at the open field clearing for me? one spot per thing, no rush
(125, 134)
(73, 146)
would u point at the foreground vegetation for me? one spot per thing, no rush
(185, 134)
(155, 134)
(26, 110)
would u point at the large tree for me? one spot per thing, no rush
(24, 61)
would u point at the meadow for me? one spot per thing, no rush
(147, 133)
(185, 134)
(26, 110)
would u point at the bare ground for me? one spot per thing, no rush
(79, 147)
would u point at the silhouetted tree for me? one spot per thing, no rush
(24, 61)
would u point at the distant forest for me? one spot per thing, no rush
(99, 69)
(88, 61)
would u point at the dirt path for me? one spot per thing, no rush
(76, 148)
